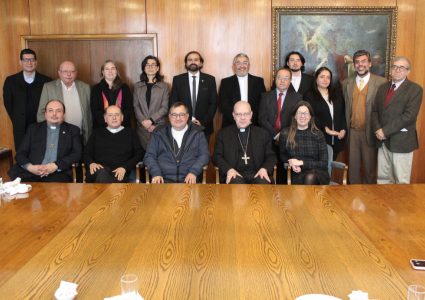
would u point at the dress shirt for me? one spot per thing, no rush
(243, 86)
(29, 80)
(296, 81)
(115, 130)
(71, 99)
(397, 84)
(365, 80)
(178, 135)
(191, 87)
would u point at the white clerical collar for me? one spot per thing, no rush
(52, 127)
(64, 85)
(115, 130)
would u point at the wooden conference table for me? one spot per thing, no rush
(212, 241)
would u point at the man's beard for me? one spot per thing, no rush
(295, 70)
(197, 68)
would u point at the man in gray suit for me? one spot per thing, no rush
(394, 114)
(359, 93)
(74, 94)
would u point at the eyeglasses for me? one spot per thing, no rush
(284, 78)
(305, 113)
(394, 67)
(240, 63)
(112, 69)
(151, 66)
(179, 116)
(239, 115)
(28, 60)
(68, 71)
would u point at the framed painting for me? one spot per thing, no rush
(329, 36)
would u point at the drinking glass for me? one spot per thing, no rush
(416, 292)
(129, 286)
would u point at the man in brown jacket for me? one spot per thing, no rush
(394, 114)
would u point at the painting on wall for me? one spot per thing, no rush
(329, 36)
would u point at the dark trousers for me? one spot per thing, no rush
(54, 177)
(105, 175)
(360, 152)
(249, 179)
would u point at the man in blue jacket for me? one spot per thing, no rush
(178, 150)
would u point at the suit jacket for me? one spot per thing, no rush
(398, 118)
(306, 84)
(158, 107)
(33, 149)
(225, 155)
(15, 101)
(53, 91)
(347, 88)
(206, 100)
(268, 110)
(323, 118)
(230, 93)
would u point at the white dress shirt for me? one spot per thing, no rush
(296, 81)
(365, 80)
(243, 87)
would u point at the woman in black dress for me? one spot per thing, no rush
(329, 110)
(303, 146)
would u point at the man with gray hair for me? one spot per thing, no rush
(394, 114)
(241, 86)
(359, 93)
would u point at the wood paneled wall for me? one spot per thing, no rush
(218, 29)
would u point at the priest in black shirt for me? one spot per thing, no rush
(243, 152)
(112, 151)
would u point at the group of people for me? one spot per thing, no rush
(294, 123)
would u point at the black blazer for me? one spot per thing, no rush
(230, 93)
(206, 101)
(33, 149)
(97, 106)
(306, 84)
(15, 101)
(323, 118)
(268, 110)
(225, 155)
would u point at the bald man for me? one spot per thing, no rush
(74, 94)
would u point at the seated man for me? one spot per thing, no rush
(112, 151)
(243, 152)
(49, 148)
(178, 150)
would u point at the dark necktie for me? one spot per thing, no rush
(390, 93)
(193, 96)
(279, 108)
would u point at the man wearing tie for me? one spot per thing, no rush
(198, 91)
(394, 116)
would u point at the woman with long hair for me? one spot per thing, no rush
(150, 99)
(111, 90)
(303, 147)
(329, 108)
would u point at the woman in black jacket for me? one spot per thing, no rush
(329, 108)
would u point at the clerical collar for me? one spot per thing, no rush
(243, 129)
(115, 130)
(52, 127)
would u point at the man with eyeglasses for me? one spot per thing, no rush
(243, 152)
(359, 93)
(21, 95)
(198, 92)
(74, 94)
(241, 86)
(177, 150)
(394, 114)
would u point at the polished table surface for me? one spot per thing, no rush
(212, 241)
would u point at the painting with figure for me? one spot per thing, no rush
(329, 36)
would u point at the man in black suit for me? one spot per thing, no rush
(198, 91)
(243, 152)
(241, 86)
(300, 82)
(21, 94)
(49, 149)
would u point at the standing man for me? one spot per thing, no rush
(300, 82)
(241, 86)
(395, 112)
(359, 94)
(197, 91)
(21, 95)
(74, 94)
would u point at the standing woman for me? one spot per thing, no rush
(303, 147)
(329, 108)
(111, 90)
(150, 99)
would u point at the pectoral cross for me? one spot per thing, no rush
(52, 145)
(245, 158)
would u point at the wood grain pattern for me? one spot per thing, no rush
(225, 242)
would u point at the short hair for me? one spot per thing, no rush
(398, 58)
(240, 55)
(193, 52)
(106, 109)
(284, 68)
(361, 53)
(178, 104)
(144, 76)
(63, 104)
(301, 57)
(27, 51)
